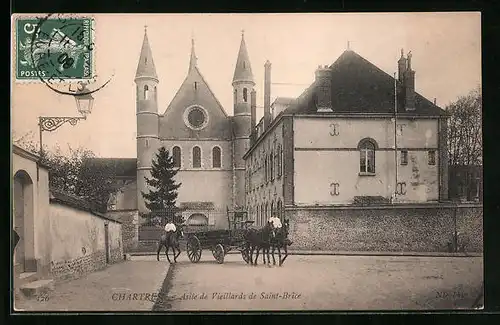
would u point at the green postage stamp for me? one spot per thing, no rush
(54, 48)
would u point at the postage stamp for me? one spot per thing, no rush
(54, 48)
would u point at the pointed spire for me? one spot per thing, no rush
(193, 59)
(146, 65)
(243, 70)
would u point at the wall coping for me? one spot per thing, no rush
(77, 203)
(17, 150)
(444, 205)
(122, 210)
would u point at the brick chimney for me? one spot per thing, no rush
(401, 67)
(409, 85)
(267, 94)
(253, 116)
(323, 89)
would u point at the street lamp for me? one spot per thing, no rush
(84, 101)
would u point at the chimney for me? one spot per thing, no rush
(267, 94)
(401, 67)
(323, 89)
(253, 116)
(409, 85)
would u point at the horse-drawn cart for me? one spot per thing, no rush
(220, 241)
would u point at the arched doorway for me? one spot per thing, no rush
(197, 219)
(24, 221)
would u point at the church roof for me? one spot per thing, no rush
(358, 86)
(243, 69)
(122, 167)
(146, 65)
(194, 91)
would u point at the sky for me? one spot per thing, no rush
(446, 55)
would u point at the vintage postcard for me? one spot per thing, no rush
(246, 162)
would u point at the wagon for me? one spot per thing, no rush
(220, 241)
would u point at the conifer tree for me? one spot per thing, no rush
(162, 195)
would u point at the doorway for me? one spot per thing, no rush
(106, 241)
(23, 222)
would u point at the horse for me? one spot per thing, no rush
(170, 239)
(257, 239)
(280, 240)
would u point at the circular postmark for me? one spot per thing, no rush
(59, 52)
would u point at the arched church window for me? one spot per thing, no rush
(245, 95)
(146, 92)
(196, 157)
(176, 153)
(244, 65)
(195, 85)
(216, 157)
(155, 94)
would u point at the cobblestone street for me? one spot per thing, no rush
(303, 283)
(326, 283)
(111, 289)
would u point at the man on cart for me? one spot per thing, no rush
(170, 226)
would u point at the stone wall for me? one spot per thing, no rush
(76, 267)
(77, 242)
(408, 228)
(130, 227)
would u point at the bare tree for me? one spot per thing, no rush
(465, 145)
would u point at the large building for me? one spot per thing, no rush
(356, 136)
(206, 143)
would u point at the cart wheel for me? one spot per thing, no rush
(245, 255)
(219, 253)
(193, 249)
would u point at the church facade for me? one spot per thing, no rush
(206, 143)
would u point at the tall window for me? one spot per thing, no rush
(196, 157)
(146, 92)
(272, 210)
(176, 153)
(265, 169)
(280, 160)
(367, 156)
(245, 95)
(404, 157)
(216, 157)
(432, 157)
(280, 212)
(271, 166)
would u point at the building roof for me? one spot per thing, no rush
(197, 206)
(243, 69)
(358, 86)
(146, 65)
(123, 167)
(284, 101)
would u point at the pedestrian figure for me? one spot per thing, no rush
(15, 239)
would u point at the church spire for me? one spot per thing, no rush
(193, 59)
(146, 66)
(243, 70)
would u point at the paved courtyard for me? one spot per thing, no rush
(325, 283)
(303, 283)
